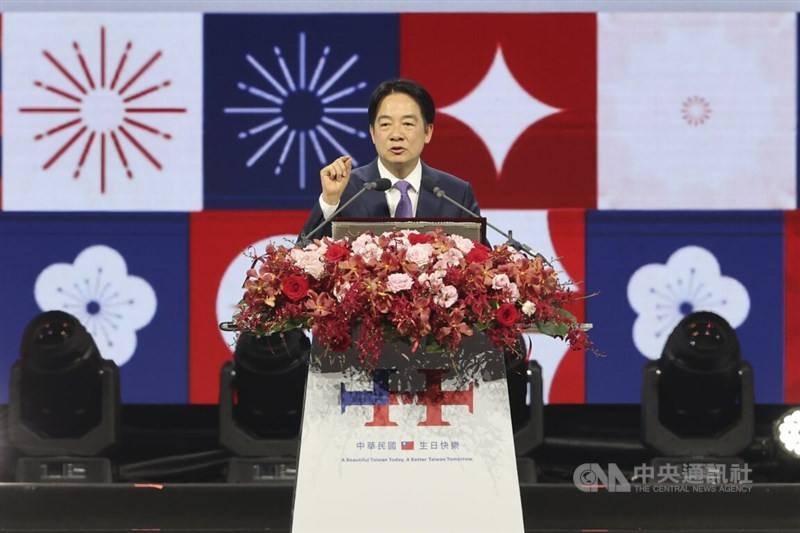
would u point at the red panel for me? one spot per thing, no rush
(791, 327)
(553, 163)
(568, 233)
(216, 238)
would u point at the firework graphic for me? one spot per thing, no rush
(104, 109)
(696, 110)
(299, 109)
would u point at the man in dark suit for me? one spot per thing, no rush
(401, 114)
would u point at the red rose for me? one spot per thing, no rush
(339, 341)
(507, 314)
(336, 252)
(478, 254)
(419, 238)
(295, 287)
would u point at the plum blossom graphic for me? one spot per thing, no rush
(97, 289)
(690, 280)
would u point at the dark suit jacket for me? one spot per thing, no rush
(373, 203)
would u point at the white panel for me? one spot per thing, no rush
(141, 148)
(696, 111)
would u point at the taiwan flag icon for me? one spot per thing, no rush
(407, 445)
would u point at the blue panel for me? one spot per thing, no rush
(747, 248)
(283, 96)
(125, 260)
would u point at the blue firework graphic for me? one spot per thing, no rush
(300, 108)
(283, 96)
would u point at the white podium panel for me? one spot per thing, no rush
(438, 457)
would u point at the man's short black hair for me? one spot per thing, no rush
(409, 87)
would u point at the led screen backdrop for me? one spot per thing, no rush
(651, 156)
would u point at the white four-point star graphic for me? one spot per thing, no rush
(499, 110)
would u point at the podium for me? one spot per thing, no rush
(471, 228)
(422, 442)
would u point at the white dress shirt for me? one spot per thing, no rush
(392, 195)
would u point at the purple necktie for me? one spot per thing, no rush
(404, 209)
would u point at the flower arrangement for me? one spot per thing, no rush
(430, 289)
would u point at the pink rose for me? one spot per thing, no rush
(420, 254)
(399, 282)
(462, 243)
(500, 281)
(446, 296)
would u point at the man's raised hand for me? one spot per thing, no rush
(334, 179)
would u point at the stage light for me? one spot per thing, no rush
(787, 433)
(261, 399)
(697, 399)
(63, 402)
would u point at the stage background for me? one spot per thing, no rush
(655, 154)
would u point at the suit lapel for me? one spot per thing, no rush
(378, 205)
(428, 205)
(374, 202)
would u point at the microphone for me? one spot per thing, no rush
(429, 185)
(380, 184)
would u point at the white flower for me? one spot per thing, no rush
(500, 281)
(399, 241)
(446, 296)
(340, 290)
(420, 253)
(462, 243)
(367, 247)
(399, 281)
(362, 241)
(434, 279)
(319, 249)
(691, 280)
(450, 258)
(528, 308)
(513, 292)
(309, 260)
(371, 251)
(98, 291)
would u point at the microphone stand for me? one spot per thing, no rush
(439, 193)
(380, 184)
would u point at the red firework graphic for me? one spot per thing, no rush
(104, 111)
(696, 110)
